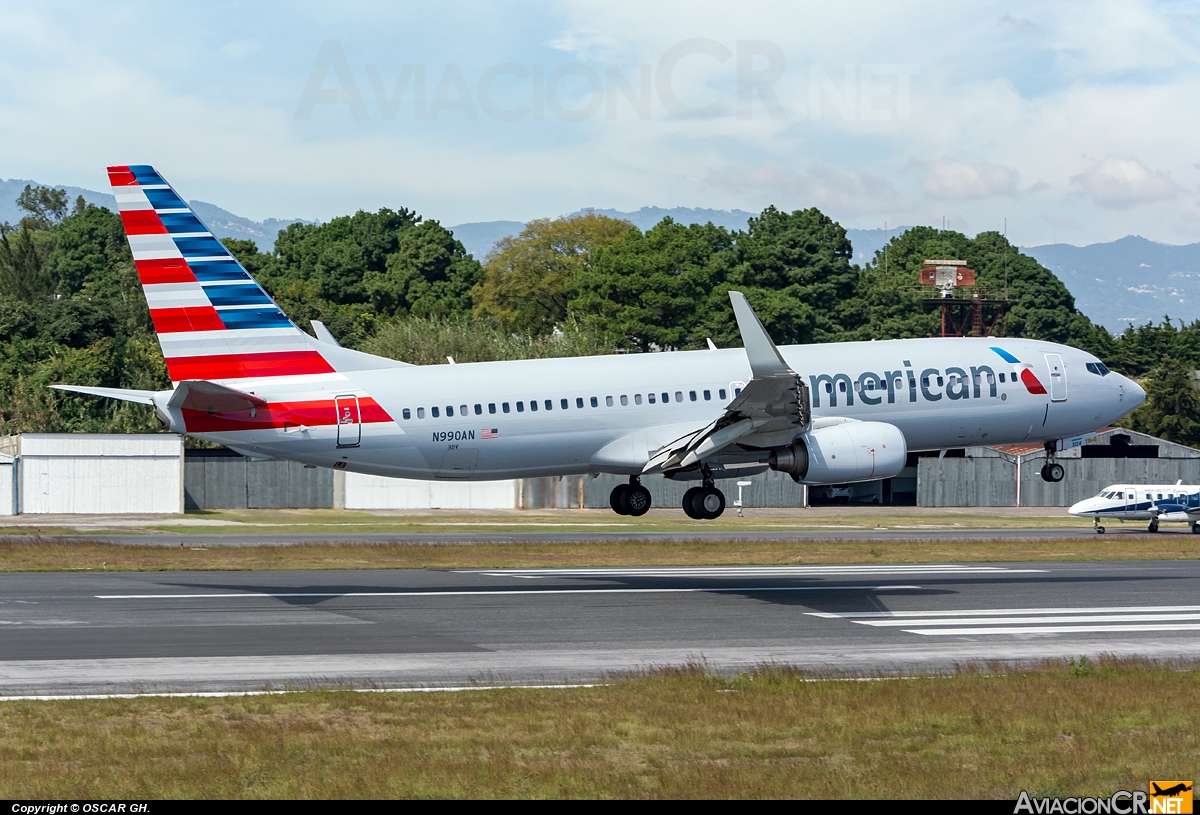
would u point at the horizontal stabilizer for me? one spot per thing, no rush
(125, 395)
(209, 397)
(323, 333)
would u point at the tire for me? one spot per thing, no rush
(1099, 530)
(616, 498)
(709, 503)
(1153, 527)
(1045, 474)
(687, 503)
(635, 500)
(1196, 529)
(1056, 472)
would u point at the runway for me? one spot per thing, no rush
(287, 538)
(177, 631)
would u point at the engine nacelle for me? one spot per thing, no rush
(843, 453)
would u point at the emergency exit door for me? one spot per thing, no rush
(349, 429)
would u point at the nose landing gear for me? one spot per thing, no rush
(1096, 524)
(1052, 471)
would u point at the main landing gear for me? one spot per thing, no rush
(1153, 525)
(1052, 471)
(704, 503)
(630, 499)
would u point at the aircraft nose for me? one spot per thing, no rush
(1135, 392)
(1080, 508)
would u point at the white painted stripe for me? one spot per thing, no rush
(1089, 619)
(235, 334)
(199, 258)
(176, 211)
(236, 693)
(144, 245)
(175, 295)
(686, 571)
(490, 592)
(177, 344)
(1055, 629)
(154, 186)
(131, 198)
(191, 234)
(1000, 612)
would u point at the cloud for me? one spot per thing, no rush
(1015, 23)
(1121, 183)
(956, 181)
(837, 193)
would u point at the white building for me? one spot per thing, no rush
(92, 473)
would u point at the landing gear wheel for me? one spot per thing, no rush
(1053, 472)
(616, 498)
(708, 503)
(1195, 528)
(635, 500)
(1153, 527)
(687, 503)
(1098, 527)
(1100, 530)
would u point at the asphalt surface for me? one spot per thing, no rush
(285, 538)
(187, 631)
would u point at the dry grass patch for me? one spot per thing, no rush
(672, 734)
(25, 554)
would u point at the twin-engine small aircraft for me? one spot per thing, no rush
(245, 376)
(1178, 503)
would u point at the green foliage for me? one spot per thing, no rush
(46, 206)
(429, 340)
(1172, 407)
(525, 283)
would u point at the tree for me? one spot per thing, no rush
(526, 275)
(23, 273)
(1172, 407)
(429, 275)
(46, 206)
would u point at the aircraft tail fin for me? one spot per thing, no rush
(214, 322)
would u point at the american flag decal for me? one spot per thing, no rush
(490, 433)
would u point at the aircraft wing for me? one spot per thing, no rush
(769, 412)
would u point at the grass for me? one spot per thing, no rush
(35, 554)
(1056, 729)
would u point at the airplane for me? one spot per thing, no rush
(1178, 503)
(245, 376)
(1170, 792)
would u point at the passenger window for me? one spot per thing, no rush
(1159, 496)
(491, 407)
(533, 405)
(462, 410)
(650, 398)
(940, 382)
(624, 400)
(608, 400)
(666, 397)
(578, 401)
(504, 406)
(520, 407)
(449, 410)
(828, 387)
(721, 393)
(478, 410)
(564, 403)
(1013, 376)
(1001, 377)
(842, 385)
(595, 402)
(433, 411)
(420, 413)
(549, 404)
(708, 396)
(678, 396)
(857, 385)
(692, 395)
(738, 391)
(637, 398)
(406, 413)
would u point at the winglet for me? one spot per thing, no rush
(765, 359)
(323, 333)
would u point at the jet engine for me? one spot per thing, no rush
(843, 453)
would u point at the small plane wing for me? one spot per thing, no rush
(209, 397)
(141, 397)
(769, 412)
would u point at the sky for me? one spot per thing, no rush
(1073, 122)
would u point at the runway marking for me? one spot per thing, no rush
(71, 697)
(753, 571)
(1027, 621)
(493, 592)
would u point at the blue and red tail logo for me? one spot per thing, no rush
(1028, 378)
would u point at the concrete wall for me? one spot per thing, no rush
(966, 482)
(234, 482)
(378, 492)
(94, 473)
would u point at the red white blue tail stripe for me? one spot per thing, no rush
(213, 321)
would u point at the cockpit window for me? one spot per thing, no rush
(1097, 368)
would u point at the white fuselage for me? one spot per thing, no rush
(941, 393)
(1143, 502)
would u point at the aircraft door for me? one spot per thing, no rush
(349, 428)
(1058, 378)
